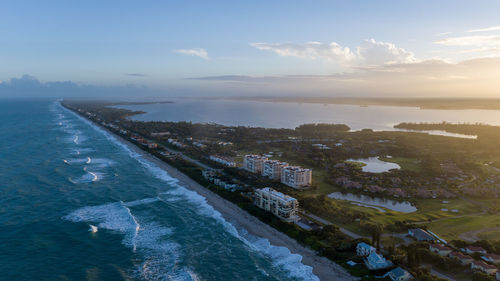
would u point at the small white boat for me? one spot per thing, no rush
(93, 228)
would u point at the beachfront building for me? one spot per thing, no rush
(463, 259)
(399, 274)
(363, 249)
(440, 249)
(223, 160)
(375, 261)
(420, 235)
(281, 205)
(254, 163)
(484, 267)
(272, 168)
(296, 177)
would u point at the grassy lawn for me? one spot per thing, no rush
(453, 227)
(490, 235)
(410, 164)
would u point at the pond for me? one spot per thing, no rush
(374, 202)
(375, 165)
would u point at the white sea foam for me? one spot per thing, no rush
(293, 263)
(148, 239)
(88, 160)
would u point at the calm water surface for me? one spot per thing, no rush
(291, 115)
(375, 165)
(399, 206)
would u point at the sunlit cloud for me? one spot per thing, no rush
(368, 53)
(478, 40)
(491, 28)
(198, 52)
(442, 34)
(433, 78)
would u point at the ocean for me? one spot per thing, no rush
(60, 175)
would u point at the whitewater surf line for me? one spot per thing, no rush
(137, 226)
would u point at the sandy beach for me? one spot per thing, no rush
(323, 268)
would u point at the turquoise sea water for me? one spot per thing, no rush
(59, 174)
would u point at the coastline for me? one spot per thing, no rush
(323, 268)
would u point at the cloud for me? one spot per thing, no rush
(136, 75)
(442, 33)
(29, 86)
(312, 50)
(199, 52)
(477, 40)
(369, 53)
(491, 28)
(374, 53)
(428, 78)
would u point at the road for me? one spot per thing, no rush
(326, 222)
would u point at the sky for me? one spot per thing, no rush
(369, 48)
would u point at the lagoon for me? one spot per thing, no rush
(367, 201)
(291, 115)
(375, 165)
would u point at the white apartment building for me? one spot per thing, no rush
(254, 163)
(223, 160)
(272, 169)
(281, 205)
(296, 177)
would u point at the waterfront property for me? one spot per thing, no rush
(440, 249)
(254, 163)
(281, 205)
(363, 249)
(223, 160)
(296, 177)
(272, 169)
(421, 235)
(399, 274)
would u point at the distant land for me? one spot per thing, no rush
(423, 103)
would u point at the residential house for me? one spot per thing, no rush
(375, 261)
(399, 274)
(440, 249)
(493, 258)
(484, 267)
(474, 249)
(464, 259)
(363, 249)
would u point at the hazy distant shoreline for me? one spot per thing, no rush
(422, 103)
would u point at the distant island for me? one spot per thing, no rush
(422, 103)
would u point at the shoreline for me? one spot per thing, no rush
(322, 267)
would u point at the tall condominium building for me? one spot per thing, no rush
(281, 205)
(272, 169)
(296, 177)
(254, 163)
